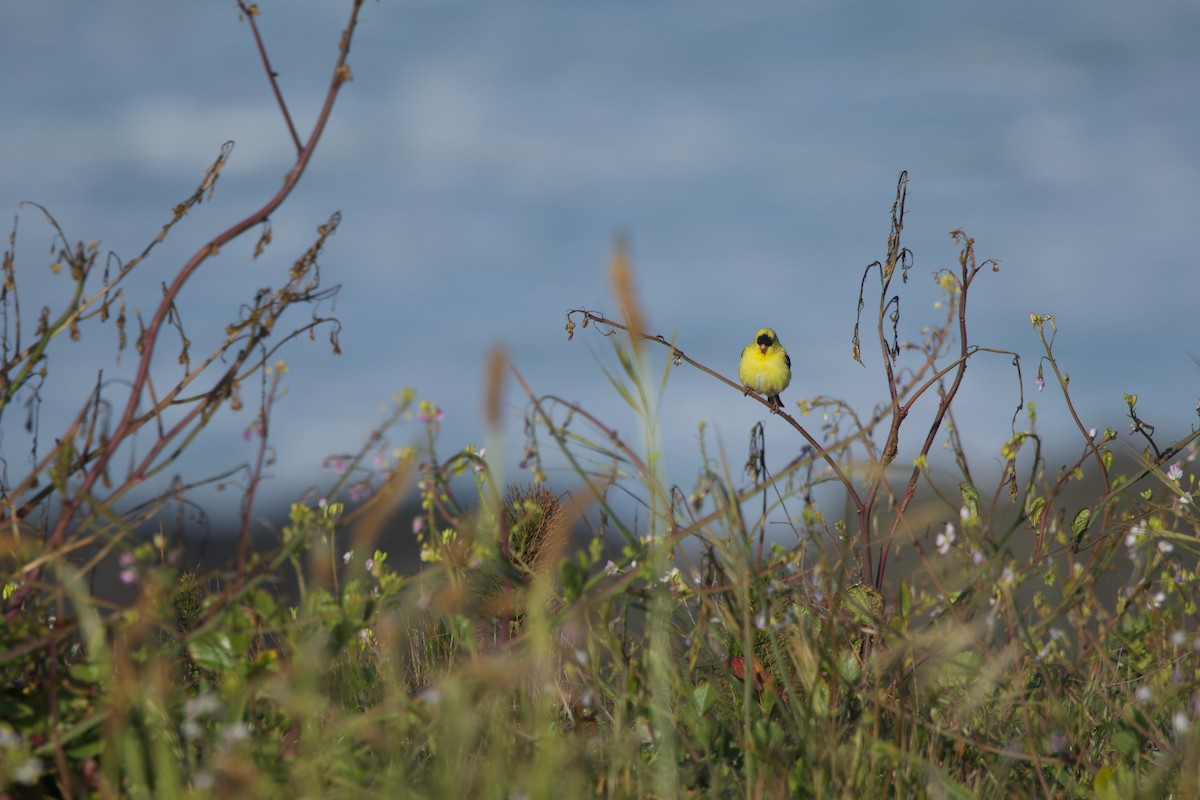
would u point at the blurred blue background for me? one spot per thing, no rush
(486, 154)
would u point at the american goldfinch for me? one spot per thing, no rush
(765, 367)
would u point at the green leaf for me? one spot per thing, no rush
(87, 750)
(905, 599)
(1128, 743)
(1036, 509)
(849, 667)
(263, 603)
(213, 651)
(970, 498)
(1079, 525)
(86, 672)
(703, 697)
(572, 577)
(13, 711)
(961, 670)
(865, 603)
(1134, 624)
(820, 698)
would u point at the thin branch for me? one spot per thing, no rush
(251, 13)
(262, 430)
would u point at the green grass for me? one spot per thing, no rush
(1026, 655)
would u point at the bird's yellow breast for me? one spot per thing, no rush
(766, 373)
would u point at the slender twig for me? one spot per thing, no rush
(262, 429)
(251, 14)
(1091, 449)
(1063, 382)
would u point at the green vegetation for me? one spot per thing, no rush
(628, 638)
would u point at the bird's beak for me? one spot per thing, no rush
(762, 348)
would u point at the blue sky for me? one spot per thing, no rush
(485, 155)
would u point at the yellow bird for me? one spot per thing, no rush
(765, 367)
